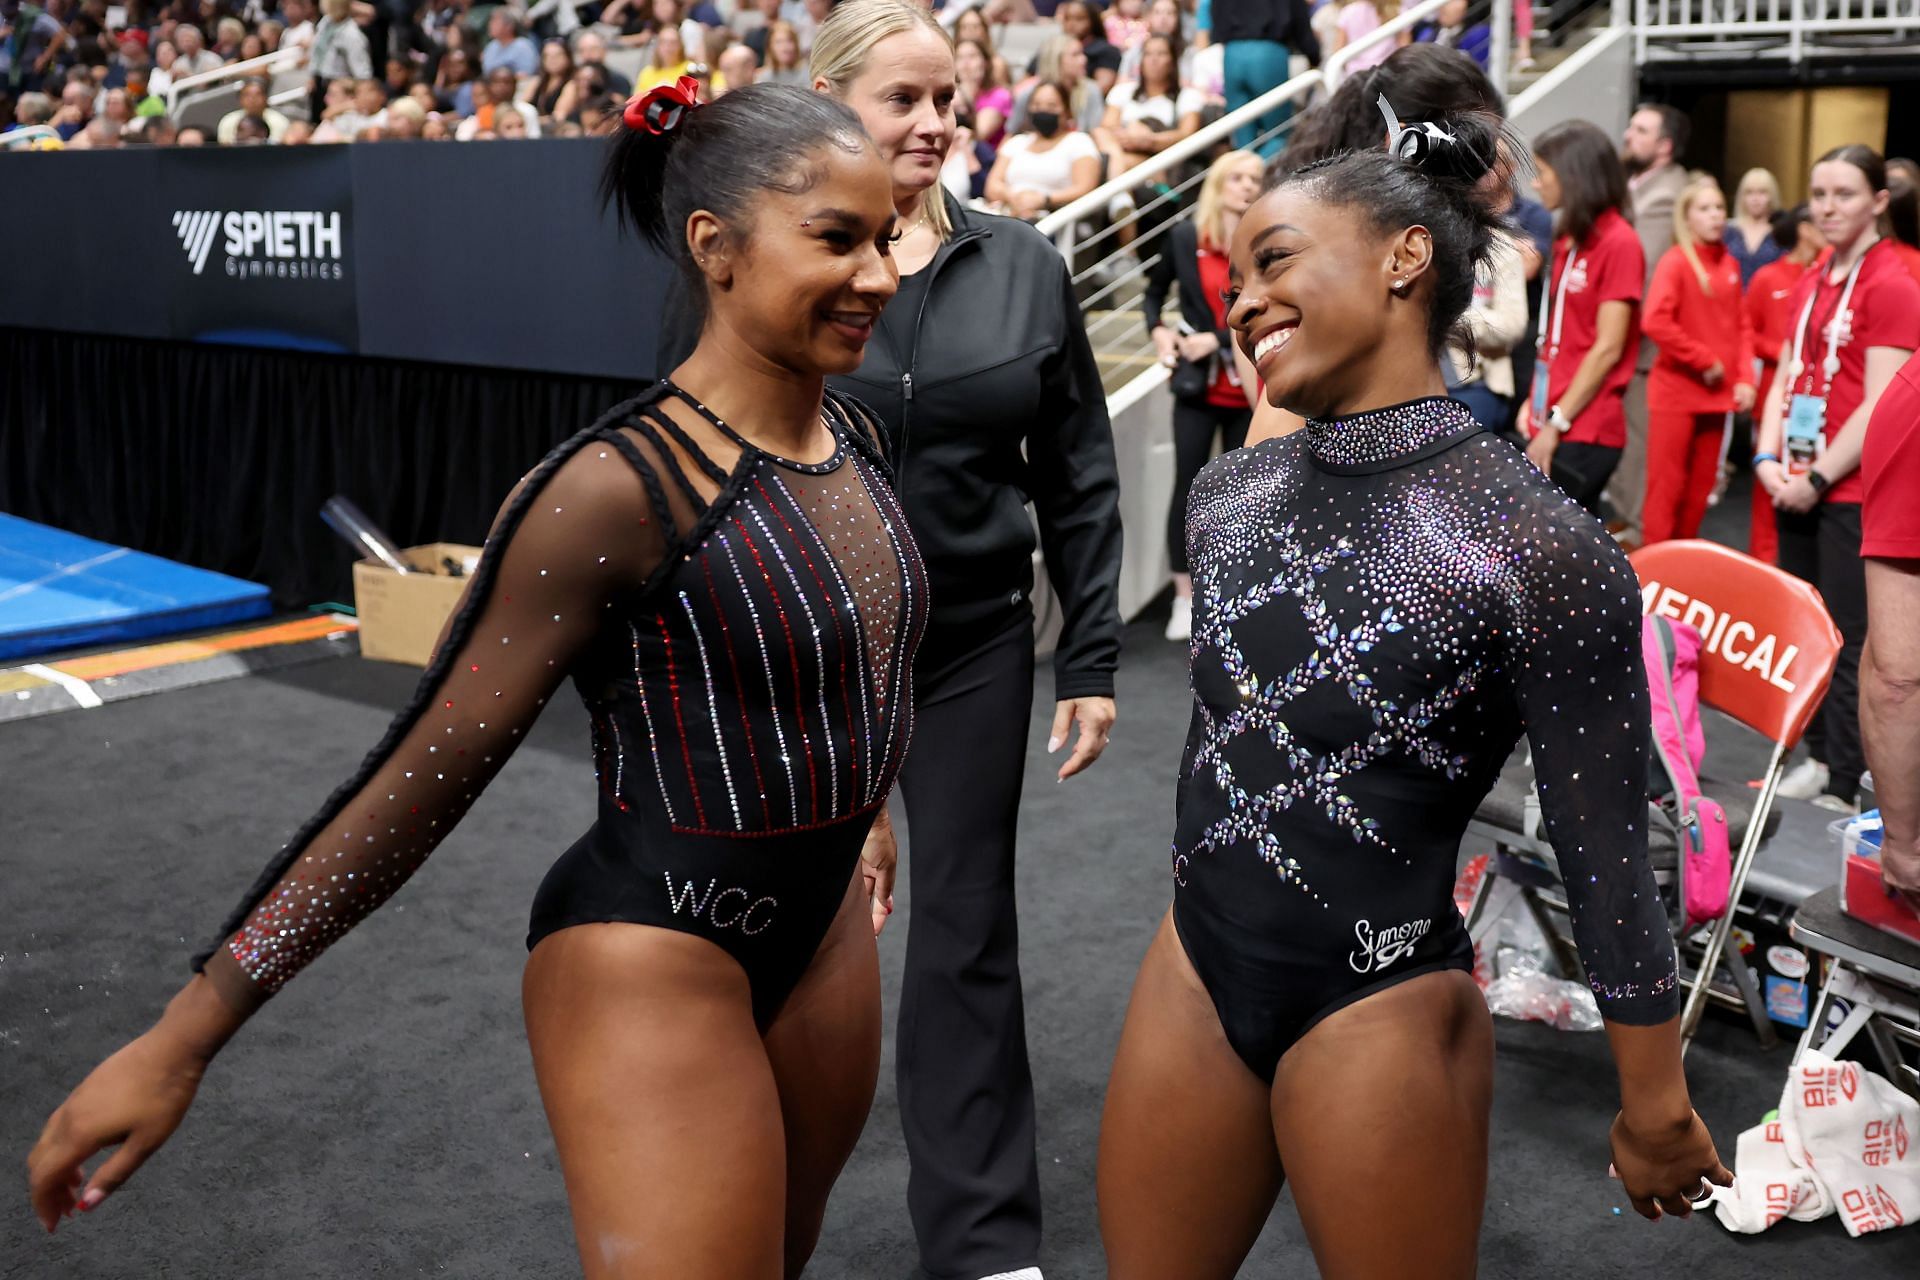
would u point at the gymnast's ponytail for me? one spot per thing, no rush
(673, 156)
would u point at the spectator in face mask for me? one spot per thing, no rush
(1050, 165)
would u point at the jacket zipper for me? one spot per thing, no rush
(913, 351)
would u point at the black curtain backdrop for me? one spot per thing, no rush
(221, 456)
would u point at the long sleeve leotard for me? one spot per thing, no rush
(1381, 605)
(743, 638)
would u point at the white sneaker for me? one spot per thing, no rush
(1025, 1273)
(1179, 625)
(1804, 781)
(1835, 804)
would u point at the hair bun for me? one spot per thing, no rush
(1464, 149)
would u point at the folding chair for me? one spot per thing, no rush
(1877, 976)
(1767, 654)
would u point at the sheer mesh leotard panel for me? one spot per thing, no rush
(1381, 606)
(743, 639)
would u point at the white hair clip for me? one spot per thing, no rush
(1415, 142)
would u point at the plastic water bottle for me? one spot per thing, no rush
(351, 523)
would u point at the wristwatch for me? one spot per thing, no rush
(1819, 482)
(1559, 421)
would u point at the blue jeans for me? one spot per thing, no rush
(1254, 67)
(1489, 410)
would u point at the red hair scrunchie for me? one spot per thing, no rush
(661, 109)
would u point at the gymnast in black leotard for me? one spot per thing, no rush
(1382, 603)
(721, 568)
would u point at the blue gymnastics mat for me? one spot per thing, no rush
(59, 590)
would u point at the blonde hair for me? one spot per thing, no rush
(842, 46)
(1054, 52)
(1683, 237)
(1757, 178)
(1210, 214)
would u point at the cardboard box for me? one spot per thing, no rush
(402, 614)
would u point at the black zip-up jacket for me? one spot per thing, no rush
(994, 402)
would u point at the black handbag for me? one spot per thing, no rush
(1191, 378)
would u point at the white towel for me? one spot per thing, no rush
(1845, 1139)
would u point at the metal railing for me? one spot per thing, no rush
(265, 65)
(1796, 30)
(1109, 265)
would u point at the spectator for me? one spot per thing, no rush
(1900, 226)
(252, 45)
(299, 133)
(195, 58)
(228, 36)
(641, 20)
(972, 25)
(508, 47)
(31, 109)
(597, 115)
(1164, 18)
(191, 136)
(1812, 433)
(1256, 35)
(756, 26)
(404, 120)
(101, 134)
(1208, 399)
(161, 78)
(1890, 666)
(253, 105)
(1050, 165)
(298, 15)
(667, 63)
(1075, 20)
(1496, 319)
(117, 108)
(986, 100)
(1769, 296)
(339, 50)
(1655, 143)
(510, 124)
(421, 94)
(1063, 62)
(157, 131)
(589, 82)
(554, 19)
(784, 63)
(1451, 29)
(146, 103)
(75, 111)
(30, 52)
(1359, 19)
(251, 131)
(1576, 416)
(1704, 370)
(1146, 117)
(1125, 25)
(369, 109)
(556, 73)
(736, 68)
(399, 77)
(497, 90)
(453, 83)
(1755, 203)
(590, 50)
(435, 130)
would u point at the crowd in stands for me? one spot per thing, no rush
(1129, 78)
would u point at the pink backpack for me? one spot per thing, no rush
(1671, 651)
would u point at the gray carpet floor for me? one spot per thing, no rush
(379, 1118)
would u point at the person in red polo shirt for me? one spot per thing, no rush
(1854, 323)
(1890, 668)
(1589, 314)
(1769, 295)
(1704, 369)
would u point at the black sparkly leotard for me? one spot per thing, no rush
(743, 638)
(1381, 605)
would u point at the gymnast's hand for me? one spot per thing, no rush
(133, 1100)
(1663, 1167)
(879, 858)
(1096, 718)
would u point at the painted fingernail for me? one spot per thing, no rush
(1053, 744)
(92, 1199)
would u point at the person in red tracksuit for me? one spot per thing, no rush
(1704, 369)
(1769, 299)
